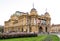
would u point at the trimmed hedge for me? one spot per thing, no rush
(16, 35)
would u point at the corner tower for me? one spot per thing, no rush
(48, 21)
(33, 17)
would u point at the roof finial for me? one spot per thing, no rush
(46, 10)
(33, 5)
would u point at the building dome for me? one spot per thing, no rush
(46, 13)
(33, 11)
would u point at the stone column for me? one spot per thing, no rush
(28, 29)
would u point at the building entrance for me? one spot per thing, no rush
(40, 29)
(46, 29)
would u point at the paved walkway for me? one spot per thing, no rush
(58, 35)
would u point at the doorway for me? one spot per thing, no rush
(46, 29)
(40, 29)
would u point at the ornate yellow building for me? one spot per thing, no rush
(28, 22)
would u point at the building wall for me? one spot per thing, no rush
(27, 22)
(55, 28)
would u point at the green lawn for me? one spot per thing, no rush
(38, 38)
(54, 38)
(51, 38)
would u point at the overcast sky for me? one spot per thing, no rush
(8, 7)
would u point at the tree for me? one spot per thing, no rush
(1, 28)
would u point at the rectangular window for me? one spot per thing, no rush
(34, 21)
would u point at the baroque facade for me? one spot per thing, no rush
(28, 22)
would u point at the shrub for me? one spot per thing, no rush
(15, 35)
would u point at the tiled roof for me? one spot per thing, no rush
(55, 25)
